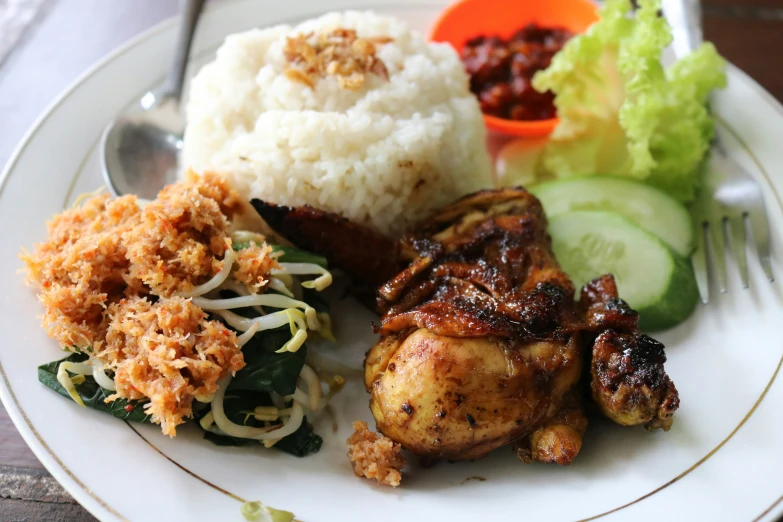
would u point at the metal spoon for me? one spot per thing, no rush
(140, 147)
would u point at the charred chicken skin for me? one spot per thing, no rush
(628, 381)
(479, 336)
(482, 343)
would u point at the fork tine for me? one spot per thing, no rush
(735, 235)
(760, 231)
(699, 262)
(718, 247)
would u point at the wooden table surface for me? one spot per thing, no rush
(749, 33)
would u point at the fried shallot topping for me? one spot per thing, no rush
(108, 274)
(340, 53)
(375, 456)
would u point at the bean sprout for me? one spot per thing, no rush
(243, 339)
(325, 326)
(267, 322)
(278, 285)
(245, 236)
(207, 421)
(314, 396)
(235, 286)
(298, 331)
(291, 316)
(296, 288)
(65, 380)
(291, 284)
(103, 380)
(295, 343)
(268, 413)
(328, 365)
(313, 386)
(240, 289)
(299, 396)
(335, 384)
(287, 280)
(248, 432)
(219, 279)
(287, 414)
(217, 422)
(323, 280)
(271, 300)
(206, 399)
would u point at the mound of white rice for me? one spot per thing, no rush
(385, 155)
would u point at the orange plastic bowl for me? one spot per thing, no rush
(469, 18)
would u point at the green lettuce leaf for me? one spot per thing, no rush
(621, 112)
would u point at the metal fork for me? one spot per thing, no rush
(730, 199)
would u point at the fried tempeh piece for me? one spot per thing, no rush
(368, 257)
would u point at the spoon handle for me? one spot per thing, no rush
(684, 17)
(175, 79)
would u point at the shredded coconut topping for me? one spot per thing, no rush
(83, 267)
(180, 240)
(253, 266)
(375, 456)
(107, 276)
(167, 352)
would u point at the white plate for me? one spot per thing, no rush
(721, 461)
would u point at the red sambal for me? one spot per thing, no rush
(501, 71)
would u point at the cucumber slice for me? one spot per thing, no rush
(648, 207)
(655, 280)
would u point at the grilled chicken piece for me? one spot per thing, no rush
(559, 439)
(480, 337)
(461, 397)
(628, 381)
(482, 343)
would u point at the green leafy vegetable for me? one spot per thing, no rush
(225, 440)
(238, 405)
(93, 395)
(621, 112)
(294, 255)
(265, 370)
(315, 299)
(300, 443)
(289, 254)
